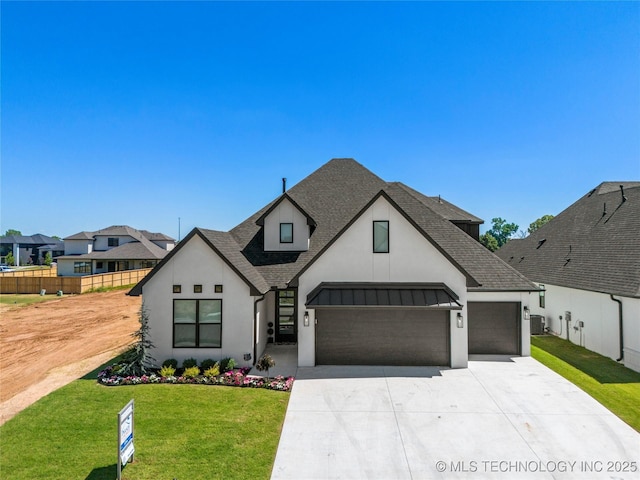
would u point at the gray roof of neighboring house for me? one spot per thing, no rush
(127, 251)
(592, 245)
(37, 239)
(120, 230)
(334, 196)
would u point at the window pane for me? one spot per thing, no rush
(184, 335)
(210, 335)
(286, 233)
(381, 237)
(184, 311)
(210, 311)
(286, 311)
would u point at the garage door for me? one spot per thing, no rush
(372, 336)
(494, 328)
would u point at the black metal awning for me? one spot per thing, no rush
(397, 295)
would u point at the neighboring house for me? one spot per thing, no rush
(29, 249)
(112, 249)
(588, 260)
(352, 269)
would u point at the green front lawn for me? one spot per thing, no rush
(181, 432)
(613, 385)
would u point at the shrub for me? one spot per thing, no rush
(265, 363)
(212, 371)
(191, 372)
(167, 371)
(207, 364)
(189, 362)
(227, 364)
(170, 362)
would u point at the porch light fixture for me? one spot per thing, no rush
(306, 318)
(459, 320)
(527, 316)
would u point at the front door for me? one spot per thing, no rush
(286, 316)
(111, 266)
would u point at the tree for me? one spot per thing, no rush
(501, 231)
(48, 259)
(138, 359)
(11, 231)
(9, 259)
(489, 241)
(538, 223)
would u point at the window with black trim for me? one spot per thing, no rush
(99, 265)
(177, 289)
(217, 289)
(381, 236)
(113, 241)
(81, 267)
(542, 296)
(197, 323)
(286, 233)
(197, 289)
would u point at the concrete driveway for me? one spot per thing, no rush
(502, 418)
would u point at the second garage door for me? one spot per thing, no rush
(371, 336)
(494, 328)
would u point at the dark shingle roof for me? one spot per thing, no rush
(439, 205)
(37, 239)
(587, 246)
(334, 196)
(227, 248)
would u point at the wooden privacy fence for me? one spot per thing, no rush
(42, 272)
(13, 284)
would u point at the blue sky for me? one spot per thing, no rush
(143, 113)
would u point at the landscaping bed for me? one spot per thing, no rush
(208, 373)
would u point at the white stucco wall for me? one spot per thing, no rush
(286, 212)
(526, 299)
(65, 268)
(197, 264)
(78, 247)
(167, 245)
(411, 258)
(101, 242)
(601, 332)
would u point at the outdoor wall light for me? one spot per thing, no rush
(459, 320)
(306, 319)
(247, 357)
(526, 313)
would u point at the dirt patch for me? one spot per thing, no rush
(47, 345)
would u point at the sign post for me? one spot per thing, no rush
(125, 437)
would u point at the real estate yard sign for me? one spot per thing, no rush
(125, 437)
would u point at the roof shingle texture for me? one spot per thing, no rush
(587, 246)
(336, 193)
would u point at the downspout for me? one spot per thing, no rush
(621, 330)
(255, 326)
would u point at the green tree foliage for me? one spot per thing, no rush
(489, 241)
(48, 259)
(500, 232)
(538, 223)
(12, 232)
(9, 259)
(138, 359)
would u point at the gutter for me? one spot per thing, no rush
(621, 330)
(255, 326)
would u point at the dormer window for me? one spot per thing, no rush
(113, 241)
(286, 233)
(286, 226)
